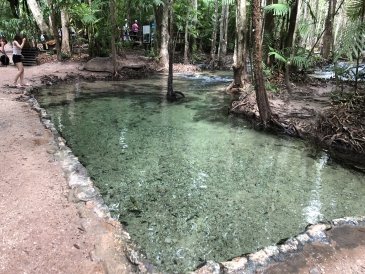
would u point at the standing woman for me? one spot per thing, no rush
(18, 44)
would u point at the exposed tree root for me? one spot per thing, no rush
(343, 125)
(173, 97)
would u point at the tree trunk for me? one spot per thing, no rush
(269, 26)
(261, 96)
(112, 36)
(289, 42)
(186, 46)
(292, 24)
(162, 15)
(170, 89)
(240, 53)
(214, 35)
(194, 25)
(222, 49)
(38, 16)
(54, 29)
(65, 48)
(328, 33)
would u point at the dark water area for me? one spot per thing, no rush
(190, 182)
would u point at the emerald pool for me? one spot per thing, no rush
(190, 182)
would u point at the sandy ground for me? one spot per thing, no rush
(42, 231)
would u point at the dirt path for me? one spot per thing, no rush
(42, 231)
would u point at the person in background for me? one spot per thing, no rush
(4, 58)
(135, 29)
(18, 44)
(126, 31)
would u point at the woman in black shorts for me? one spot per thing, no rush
(18, 44)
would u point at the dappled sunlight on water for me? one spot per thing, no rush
(190, 182)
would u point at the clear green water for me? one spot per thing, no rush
(189, 182)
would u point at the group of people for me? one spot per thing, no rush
(133, 34)
(17, 44)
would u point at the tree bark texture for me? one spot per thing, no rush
(328, 33)
(65, 48)
(269, 27)
(223, 36)
(240, 53)
(261, 96)
(162, 15)
(38, 16)
(112, 36)
(54, 28)
(214, 35)
(186, 43)
(194, 25)
(292, 24)
(170, 90)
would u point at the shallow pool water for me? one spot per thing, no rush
(190, 182)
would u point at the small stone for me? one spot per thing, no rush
(315, 271)
(235, 266)
(210, 267)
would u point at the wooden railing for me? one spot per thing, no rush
(30, 56)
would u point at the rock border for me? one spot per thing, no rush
(253, 262)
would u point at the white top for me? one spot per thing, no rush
(16, 49)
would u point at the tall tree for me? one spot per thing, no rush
(269, 27)
(261, 96)
(65, 48)
(112, 36)
(186, 43)
(194, 25)
(171, 94)
(161, 15)
(240, 52)
(51, 5)
(328, 29)
(223, 35)
(38, 16)
(214, 35)
(170, 89)
(292, 24)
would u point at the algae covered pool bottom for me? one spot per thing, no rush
(189, 182)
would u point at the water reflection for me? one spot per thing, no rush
(312, 212)
(188, 181)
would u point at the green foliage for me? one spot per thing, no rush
(268, 74)
(351, 41)
(88, 15)
(355, 9)
(300, 59)
(280, 9)
(278, 55)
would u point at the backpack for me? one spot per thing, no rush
(4, 60)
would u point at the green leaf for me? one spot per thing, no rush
(277, 55)
(278, 9)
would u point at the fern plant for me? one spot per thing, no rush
(299, 60)
(280, 9)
